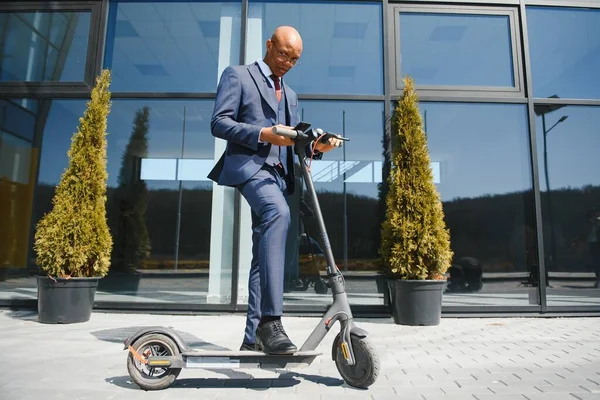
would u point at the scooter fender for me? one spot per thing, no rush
(354, 331)
(160, 330)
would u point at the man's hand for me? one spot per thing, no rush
(267, 135)
(331, 144)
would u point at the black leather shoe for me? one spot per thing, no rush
(250, 347)
(272, 338)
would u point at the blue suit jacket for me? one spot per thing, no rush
(244, 105)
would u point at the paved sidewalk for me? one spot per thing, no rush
(477, 358)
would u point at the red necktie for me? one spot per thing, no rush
(277, 87)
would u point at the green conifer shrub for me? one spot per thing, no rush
(73, 239)
(415, 243)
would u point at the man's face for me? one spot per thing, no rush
(281, 57)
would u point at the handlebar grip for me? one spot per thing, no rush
(278, 130)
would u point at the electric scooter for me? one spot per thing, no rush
(157, 354)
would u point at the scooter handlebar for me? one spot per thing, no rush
(311, 134)
(278, 130)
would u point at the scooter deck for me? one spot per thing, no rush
(246, 359)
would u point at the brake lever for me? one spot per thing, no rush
(327, 135)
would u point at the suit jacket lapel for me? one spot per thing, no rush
(286, 89)
(263, 86)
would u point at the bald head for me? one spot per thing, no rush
(283, 50)
(288, 35)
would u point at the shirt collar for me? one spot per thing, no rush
(264, 68)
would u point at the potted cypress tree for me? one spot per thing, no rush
(415, 244)
(72, 241)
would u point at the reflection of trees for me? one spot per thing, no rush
(131, 240)
(569, 221)
(382, 188)
(494, 229)
(362, 220)
(194, 238)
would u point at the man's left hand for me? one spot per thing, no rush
(331, 144)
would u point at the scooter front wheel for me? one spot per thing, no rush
(365, 370)
(152, 378)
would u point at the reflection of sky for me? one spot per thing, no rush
(42, 60)
(59, 128)
(171, 46)
(364, 128)
(343, 45)
(573, 147)
(565, 51)
(482, 148)
(150, 49)
(165, 134)
(74, 67)
(454, 49)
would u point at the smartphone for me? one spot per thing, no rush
(302, 127)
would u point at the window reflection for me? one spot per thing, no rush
(347, 185)
(158, 136)
(456, 49)
(160, 228)
(485, 185)
(17, 164)
(43, 46)
(171, 46)
(568, 142)
(343, 44)
(565, 51)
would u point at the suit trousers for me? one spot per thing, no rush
(266, 194)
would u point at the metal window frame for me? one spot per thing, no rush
(96, 47)
(75, 88)
(532, 102)
(475, 92)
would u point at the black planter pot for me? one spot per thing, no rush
(65, 301)
(416, 302)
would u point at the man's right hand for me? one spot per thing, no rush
(267, 135)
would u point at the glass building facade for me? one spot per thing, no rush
(510, 99)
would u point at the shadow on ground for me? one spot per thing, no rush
(23, 315)
(118, 335)
(236, 379)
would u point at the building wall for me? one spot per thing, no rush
(510, 99)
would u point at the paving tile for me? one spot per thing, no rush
(462, 359)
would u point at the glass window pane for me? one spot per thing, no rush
(486, 190)
(346, 181)
(15, 158)
(161, 228)
(564, 48)
(456, 49)
(568, 146)
(16, 187)
(44, 46)
(343, 44)
(17, 119)
(172, 46)
(18, 163)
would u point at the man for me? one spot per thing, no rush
(251, 99)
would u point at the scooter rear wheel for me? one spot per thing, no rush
(365, 370)
(152, 378)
